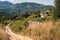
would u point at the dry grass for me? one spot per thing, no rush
(44, 31)
(48, 30)
(3, 35)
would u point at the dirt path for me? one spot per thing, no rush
(13, 36)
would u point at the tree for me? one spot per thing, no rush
(57, 9)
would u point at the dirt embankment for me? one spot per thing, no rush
(3, 35)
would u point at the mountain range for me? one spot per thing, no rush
(9, 7)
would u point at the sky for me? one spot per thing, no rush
(46, 2)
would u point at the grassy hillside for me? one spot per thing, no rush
(19, 25)
(44, 31)
(47, 30)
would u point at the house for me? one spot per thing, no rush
(44, 14)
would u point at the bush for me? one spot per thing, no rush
(19, 26)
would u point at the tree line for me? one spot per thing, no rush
(15, 16)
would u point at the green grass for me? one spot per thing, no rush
(21, 25)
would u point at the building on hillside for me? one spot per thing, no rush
(44, 14)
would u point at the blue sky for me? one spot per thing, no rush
(46, 2)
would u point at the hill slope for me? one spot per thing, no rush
(6, 6)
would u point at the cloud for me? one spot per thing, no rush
(8, 0)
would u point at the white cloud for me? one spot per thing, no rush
(8, 0)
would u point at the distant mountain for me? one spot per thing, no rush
(5, 6)
(27, 7)
(9, 7)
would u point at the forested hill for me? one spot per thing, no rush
(9, 7)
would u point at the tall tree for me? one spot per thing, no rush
(57, 9)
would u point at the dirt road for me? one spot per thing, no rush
(13, 36)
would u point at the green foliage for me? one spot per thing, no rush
(0, 24)
(18, 25)
(57, 9)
